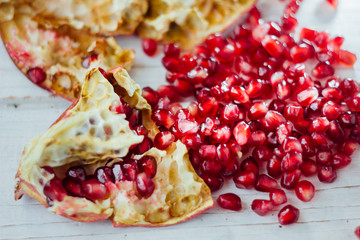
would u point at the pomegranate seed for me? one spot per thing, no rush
(171, 50)
(207, 152)
(320, 140)
(307, 145)
(293, 111)
(130, 169)
(257, 138)
(197, 75)
(323, 157)
(36, 75)
(265, 183)
(245, 179)
(73, 187)
(250, 165)
(349, 147)
(282, 132)
(144, 146)
(295, 71)
(262, 153)
(333, 3)
(149, 46)
(340, 160)
(148, 165)
(117, 172)
(185, 126)
(278, 197)
(309, 167)
(242, 133)
(104, 174)
(230, 113)
(357, 232)
(164, 118)
(323, 70)
(277, 105)
(254, 88)
(221, 134)
(289, 180)
(300, 53)
(292, 144)
(283, 90)
(183, 87)
(347, 120)
(354, 103)
(54, 190)
(187, 62)
(192, 141)
(144, 185)
(327, 174)
(333, 94)
(335, 132)
(208, 107)
(257, 110)
(171, 64)
(273, 167)
(331, 110)
(274, 119)
(306, 97)
(229, 201)
(261, 206)
(347, 58)
(305, 191)
(215, 182)
(325, 56)
(291, 161)
(210, 167)
(76, 173)
(163, 140)
(349, 87)
(163, 103)
(289, 22)
(94, 190)
(238, 94)
(320, 124)
(288, 215)
(141, 130)
(272, 45)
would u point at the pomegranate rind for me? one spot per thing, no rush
(179, 193)
(100, 17)
(59, 52)
(188, 23)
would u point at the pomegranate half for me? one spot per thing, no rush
(56, 59)
(96, 161)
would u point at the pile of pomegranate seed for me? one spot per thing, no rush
(256, 94)
(93, 186)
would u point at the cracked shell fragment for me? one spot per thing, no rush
(93, 134)
(56, 59)
(190, 22)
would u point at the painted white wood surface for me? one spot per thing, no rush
(26, 111)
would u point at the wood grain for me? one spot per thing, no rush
(26, 111)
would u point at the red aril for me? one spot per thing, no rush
(94, 190)
(149, 46)
(305, 190)
(104, 174)
(148, 165)
(309, 167)
(214, 182)
(265, 183)
(278, 197)
(289, 180)
(144, 185)
(291, 161)
(245, 179)
(229, 201)
(54, 190)
(163, 140)
(340, 160)
(273, 167)
(241, 133)
(288, 215)
(327, 174)
(36, 75)
(261, 206)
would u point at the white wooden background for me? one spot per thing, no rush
(26, 111)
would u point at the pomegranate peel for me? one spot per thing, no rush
(171, 22)
(90, 134)
(57, 59)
